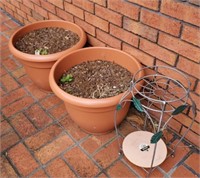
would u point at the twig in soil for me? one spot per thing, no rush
(101, 91)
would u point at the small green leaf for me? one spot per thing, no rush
(119, 107)
(138, 105)
(67, 78)
(43, 52)
(179, 109)
(156, 137)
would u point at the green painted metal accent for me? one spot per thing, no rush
(156, 137)
(119, 107)
(137, 104)
(179, 109)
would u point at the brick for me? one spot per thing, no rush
(12, 24)
(85, 5)
(179, 46)
(157, 51)
(38, 174)
(9, 83)
(73, 129)
(36, 92)
(64, 15)
(5, 127)
(10, 6)
(126, 128)
(108, 155)
(100, 2)
(38, 116)
(20, 156)
(58, 112)
(85, 167)
(111, 16)
(191, 136)
(25, 80)
(195, 165)
(33, 18)
(195, 2)
(160, 22)
(21, 13)
(10, 11)
(124, 35)
(15, 3)
(8, 140)
(125, 8)
(177, 9)
(53, 17)
(196, 99)
(12, 96)
(3, 40)
(50, 101)
(141, 172)
(6, 169)
(23, 126)
(174, 75)
(139, 55)
(182, 171)
(180, 153)
(119, 169)
(186, 121)
(108, 39)
(2, 71)
(4, 27)
(58, 3)
(76, 11)
(58, 168)
(37, 16)
(96, 21)
(41, 11)
(90, 29)
(191, 34)
(53, 149)
(10, 64)
(140, 29)
(48, 6)
(19, 72)
(95, 142)
(148, 4)
(17, 106)
(28, 3)
(188, 66)
(36, 2)
(95, 42)
(197, 90)
(43, 137)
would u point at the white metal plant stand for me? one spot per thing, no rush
(165, 92)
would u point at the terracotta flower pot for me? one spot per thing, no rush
(38, 66)
(92, 115)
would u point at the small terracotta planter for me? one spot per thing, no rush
(92, 115)
(38, 66)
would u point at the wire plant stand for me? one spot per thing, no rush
(165, 93)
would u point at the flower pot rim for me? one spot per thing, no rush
(48, 57)
(86, 102)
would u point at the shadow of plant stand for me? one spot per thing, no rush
(165, 93)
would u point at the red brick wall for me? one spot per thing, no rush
(154, 31)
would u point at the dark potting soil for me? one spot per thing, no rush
(51, 39)
(96, 79)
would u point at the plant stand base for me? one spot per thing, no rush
(138, 149)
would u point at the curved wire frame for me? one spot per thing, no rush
(162, 93)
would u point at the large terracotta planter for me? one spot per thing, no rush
(92, 115)
(38, 66)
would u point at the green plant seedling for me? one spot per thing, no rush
(67, 78)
